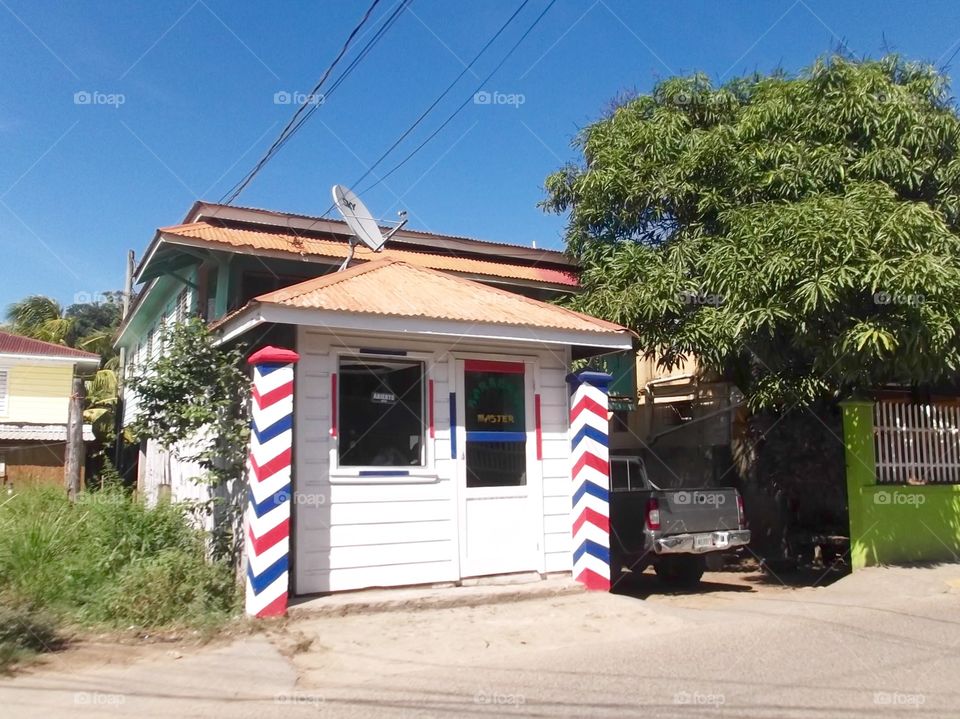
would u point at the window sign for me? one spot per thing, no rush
(495, 402)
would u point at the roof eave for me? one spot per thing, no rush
(59, 359)
(257, 313)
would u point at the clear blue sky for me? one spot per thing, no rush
(82, 183)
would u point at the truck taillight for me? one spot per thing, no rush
(653, 513)
(741, 518)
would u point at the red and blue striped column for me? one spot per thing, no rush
(590, 457)
(267, 518)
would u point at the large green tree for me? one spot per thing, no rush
(798, 234)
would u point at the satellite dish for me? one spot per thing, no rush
(358, 218)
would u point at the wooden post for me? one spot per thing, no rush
(73, 461)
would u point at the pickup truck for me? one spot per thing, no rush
(671, 529)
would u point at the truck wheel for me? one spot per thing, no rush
(682, 570)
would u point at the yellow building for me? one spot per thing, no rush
(35, 384)
(679, 420)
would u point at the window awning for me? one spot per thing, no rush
(41, 432)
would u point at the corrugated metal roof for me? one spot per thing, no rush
(40, 433)
(17, 345)
(202, 209)
(398, 289)
(278, 239)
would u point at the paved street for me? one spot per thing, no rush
(883, 643)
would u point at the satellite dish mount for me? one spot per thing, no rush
(364, 227)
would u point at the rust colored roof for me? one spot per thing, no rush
(17, 345)
(277, 239)
(398, 289)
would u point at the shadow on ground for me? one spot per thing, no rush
(738, 579)
(645, 584)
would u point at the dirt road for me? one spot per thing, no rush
(883, 642)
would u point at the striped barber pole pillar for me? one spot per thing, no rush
(591, 479)
(267, 518)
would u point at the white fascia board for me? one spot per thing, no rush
(240, 324)
(128, 321)
(145, 261)
(11, 358)
(355, 321)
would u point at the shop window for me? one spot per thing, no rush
(673, 414)
(381, 413)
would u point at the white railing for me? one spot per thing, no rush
(917, 443)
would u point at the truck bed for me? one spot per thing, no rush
(682, 511)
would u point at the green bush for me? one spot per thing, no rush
(108, 559)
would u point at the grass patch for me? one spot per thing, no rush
(106, 561)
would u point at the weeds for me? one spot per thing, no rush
(107, 560)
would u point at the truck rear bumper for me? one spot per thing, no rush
(701, 542)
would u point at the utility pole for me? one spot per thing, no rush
(73, 463)
(121, 371)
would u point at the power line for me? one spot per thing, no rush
(443, 94)
(459, 108)
(446, 91)
(384, 28)
(309, 100)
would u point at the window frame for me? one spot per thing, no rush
(5, 394)
(381, 474)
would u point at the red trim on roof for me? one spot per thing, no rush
(17, 345)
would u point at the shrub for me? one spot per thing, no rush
(166, 588)
(109, 559)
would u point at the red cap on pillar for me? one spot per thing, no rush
(273, 355)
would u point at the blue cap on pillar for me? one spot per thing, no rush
(600, 380)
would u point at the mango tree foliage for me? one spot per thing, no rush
(797, 234)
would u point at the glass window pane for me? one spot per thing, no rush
(381, 413)
(496, 464)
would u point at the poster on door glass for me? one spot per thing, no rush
(494, 402)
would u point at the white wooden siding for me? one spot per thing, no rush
(351, 533)
(160, 469)
(554, 413)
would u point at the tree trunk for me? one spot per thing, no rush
(73, 463)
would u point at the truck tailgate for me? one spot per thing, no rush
(697, 510)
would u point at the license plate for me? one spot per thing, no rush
(702, 540)
(722, 539)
